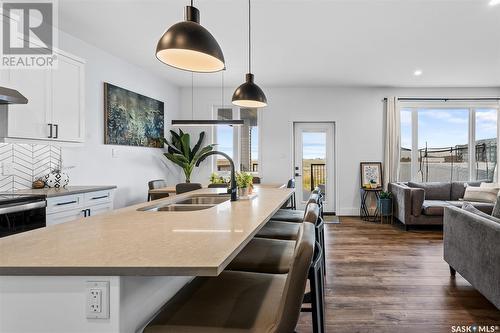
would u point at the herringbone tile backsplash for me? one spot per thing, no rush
(28, 161)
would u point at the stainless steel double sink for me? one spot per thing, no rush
(191, 203)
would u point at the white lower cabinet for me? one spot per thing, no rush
(73, 207)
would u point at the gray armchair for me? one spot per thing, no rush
(472, 248)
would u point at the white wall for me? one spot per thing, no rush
(357, 112)
(132, 167)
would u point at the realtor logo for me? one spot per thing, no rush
(28, 36)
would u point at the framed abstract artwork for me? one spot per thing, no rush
(371, 174)
(132, 119)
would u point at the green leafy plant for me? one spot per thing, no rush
(216, 179)
(180, 152)
(373, 181)
(385, 195)
(244, 180)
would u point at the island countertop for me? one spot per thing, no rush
(147, 243)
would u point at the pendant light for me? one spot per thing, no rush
(249, 94)
(189, 46)
(205, 122)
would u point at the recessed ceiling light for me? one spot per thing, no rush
(417, 72)
(494, 2)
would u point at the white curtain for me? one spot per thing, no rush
(392, 145)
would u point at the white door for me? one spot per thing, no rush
(67, 100)
(30, 120)
(314, 161)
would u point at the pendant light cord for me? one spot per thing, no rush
(192, 95)
(222, 89)
(249, 39)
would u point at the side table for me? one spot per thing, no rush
(364, 210)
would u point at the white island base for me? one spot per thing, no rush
(57, 304)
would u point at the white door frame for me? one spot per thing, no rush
(331, 162)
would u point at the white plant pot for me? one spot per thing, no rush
(243, 192)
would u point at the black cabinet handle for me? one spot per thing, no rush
(50, 131)
(84, 211)
(66, 203)
(57, 131)
(101, 197)
(88, 211)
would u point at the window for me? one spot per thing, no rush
(486, 143)
(241, 143)
(441, 143)
(225, 139)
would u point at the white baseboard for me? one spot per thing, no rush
(349, 211)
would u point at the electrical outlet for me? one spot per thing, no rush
(7, 169)
(97, 299)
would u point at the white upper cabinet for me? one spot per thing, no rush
(29, 121)
(68, 116)
(55, 109)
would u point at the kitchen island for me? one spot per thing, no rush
(146, 256)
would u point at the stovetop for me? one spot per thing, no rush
(11, 198)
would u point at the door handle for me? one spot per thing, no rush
(57, 131)
(50, 131)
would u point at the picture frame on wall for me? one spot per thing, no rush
(132, 119)
(371, 174)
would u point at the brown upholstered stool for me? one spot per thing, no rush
(241, 301)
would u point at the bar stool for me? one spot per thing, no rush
(155, 184)
(288, 215)
(236, 302)
(275, 256)
(291, 204)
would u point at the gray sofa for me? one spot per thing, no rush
(424, 203)
(472, 248)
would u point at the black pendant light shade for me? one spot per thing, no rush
(189, 46)
(249, 94)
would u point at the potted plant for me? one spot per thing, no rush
(216, 179)
(385, 203)
(373, 183)
(244, 181)
(180, 151)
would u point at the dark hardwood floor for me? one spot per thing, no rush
(383, 279)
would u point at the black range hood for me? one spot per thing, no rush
(11, 96)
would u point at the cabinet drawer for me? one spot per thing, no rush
(64, 203)
(62, 217)
(100, 209)
(98, 197)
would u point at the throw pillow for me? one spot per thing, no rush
(467, 206)
(481, 194)
(489, 185)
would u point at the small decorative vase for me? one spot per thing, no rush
(373, 185)
(243, 192)
(38, 184)
(56, 179)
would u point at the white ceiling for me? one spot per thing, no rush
(456, 43)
